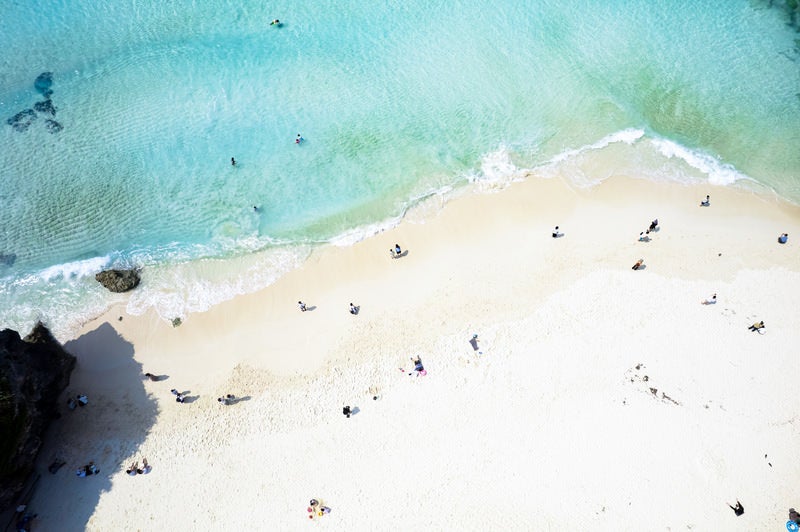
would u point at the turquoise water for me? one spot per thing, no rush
(396, 102)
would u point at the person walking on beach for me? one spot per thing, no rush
(299, 139)
(757, 326)
(302, 306)
(707, 201)
(653, 225)
(346, 411)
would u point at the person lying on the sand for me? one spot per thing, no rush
(757, 326)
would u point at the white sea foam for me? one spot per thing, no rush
(626, 136)
(76, 269)
(177, 290)
(497, 168)
(718, 173)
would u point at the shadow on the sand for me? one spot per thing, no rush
(107, 431)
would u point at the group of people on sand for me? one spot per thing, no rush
(134, 468)
(396, 252)
(315, 508)
(644, 236)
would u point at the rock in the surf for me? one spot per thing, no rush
(22, 120)
(43, 82)
(118, 280)
(45, 107)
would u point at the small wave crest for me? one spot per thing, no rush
(718, 173)
(74, 270)
(626, 136)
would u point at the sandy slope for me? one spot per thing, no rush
(553, 427)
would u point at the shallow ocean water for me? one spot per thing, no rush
(396, 102)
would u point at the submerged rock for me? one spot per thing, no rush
(22, 120)
(45, 107)
(8, 259)
(33, 373)
(53, 126)
(118, 280)
(43, 82)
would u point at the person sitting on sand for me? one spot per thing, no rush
(783, 238)
(418, 367)
(706, 202)
(710, 301)
(82, 400)
(133, 469)
(302, 306)
(794, 516)
(71, 403)
(638, 264)
(180, 398)
(146, 468)
(757, 326)
(346, 410)
(87, 470)
(228, 399)
(353, 309)
(644, 237)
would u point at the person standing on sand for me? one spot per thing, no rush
(347, 411)
(353, 309)
(738, 509)
(397, 250)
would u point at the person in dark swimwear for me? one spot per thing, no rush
(738, 509)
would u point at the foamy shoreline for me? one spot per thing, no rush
(554, 411)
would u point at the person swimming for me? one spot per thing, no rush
(276, 22)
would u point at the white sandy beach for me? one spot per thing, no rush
(603, 398)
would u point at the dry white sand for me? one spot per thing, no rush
(601, 398)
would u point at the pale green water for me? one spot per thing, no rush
(395, 102)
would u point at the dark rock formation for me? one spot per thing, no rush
(22, 120)
(43, 82)
(33, 373)
(53, 126)
(8, 259)
(118, 280)
(45, 106)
